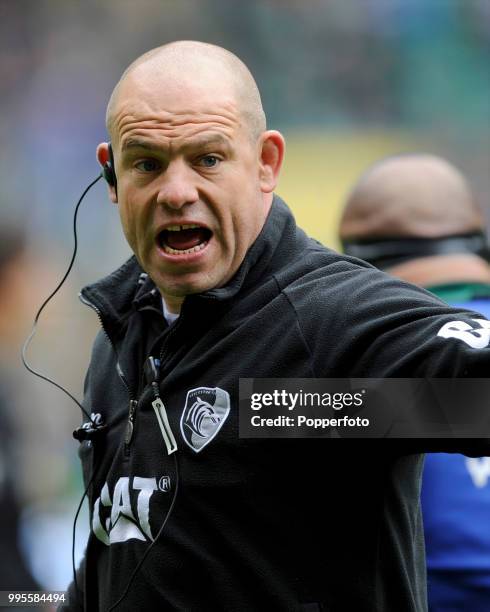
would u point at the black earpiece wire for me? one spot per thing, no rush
(74, 529)
(49, 380)
(157, 537)
(48, 299)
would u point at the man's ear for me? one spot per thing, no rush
(103, 158)
(271, 149)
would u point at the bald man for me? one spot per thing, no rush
(223, 285)
(425, 205)
(416, 217)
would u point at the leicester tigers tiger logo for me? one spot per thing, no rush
(204, 413)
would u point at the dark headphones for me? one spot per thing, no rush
(109, 171)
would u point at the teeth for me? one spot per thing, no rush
(195, 249)
(178, 228)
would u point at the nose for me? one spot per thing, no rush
(177, 186)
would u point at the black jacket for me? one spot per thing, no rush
(318, 524)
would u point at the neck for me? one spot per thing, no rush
(173, 303)
(443, 269)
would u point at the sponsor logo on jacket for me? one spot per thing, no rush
(113, 519)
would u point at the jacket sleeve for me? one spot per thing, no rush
(362, 323)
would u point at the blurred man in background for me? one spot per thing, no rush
(414, 216)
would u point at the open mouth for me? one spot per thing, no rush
(184, 239)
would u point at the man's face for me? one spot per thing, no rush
(188, 185)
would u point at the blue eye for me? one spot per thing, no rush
(209, 161)
(147, 165)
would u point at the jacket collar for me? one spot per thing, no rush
(116, 296)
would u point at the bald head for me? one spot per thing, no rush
(194, 67)
(415, 196)
(410, 196)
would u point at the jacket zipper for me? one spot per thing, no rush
(133, 404)
(133, 401)
(162, 418)
(171, 332)
(157, 403)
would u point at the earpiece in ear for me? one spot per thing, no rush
(108, 174)
(108, 171)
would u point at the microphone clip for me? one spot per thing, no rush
(89, 431)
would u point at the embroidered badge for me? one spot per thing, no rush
(205, 411)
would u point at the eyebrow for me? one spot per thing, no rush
(199, 143)
(206, 141)
(135, 143)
